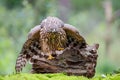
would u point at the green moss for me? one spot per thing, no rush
(59, 76)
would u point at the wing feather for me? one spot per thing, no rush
(30, 48)
(73, 36)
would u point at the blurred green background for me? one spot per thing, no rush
(98, 21)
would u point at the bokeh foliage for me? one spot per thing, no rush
(17, 17)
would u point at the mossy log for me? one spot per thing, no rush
(72, 61)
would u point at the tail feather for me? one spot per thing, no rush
(20, 62)
(30, 48)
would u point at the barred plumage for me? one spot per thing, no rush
(47, 40)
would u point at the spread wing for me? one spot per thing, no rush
(74, 39)
(30, 48)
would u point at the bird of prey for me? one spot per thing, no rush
(48, 40)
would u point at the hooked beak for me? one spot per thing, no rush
(54, 30)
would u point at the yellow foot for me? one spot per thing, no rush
(50, 57)
(60, 49)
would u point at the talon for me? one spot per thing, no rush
(60, 49)
(50, 57)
